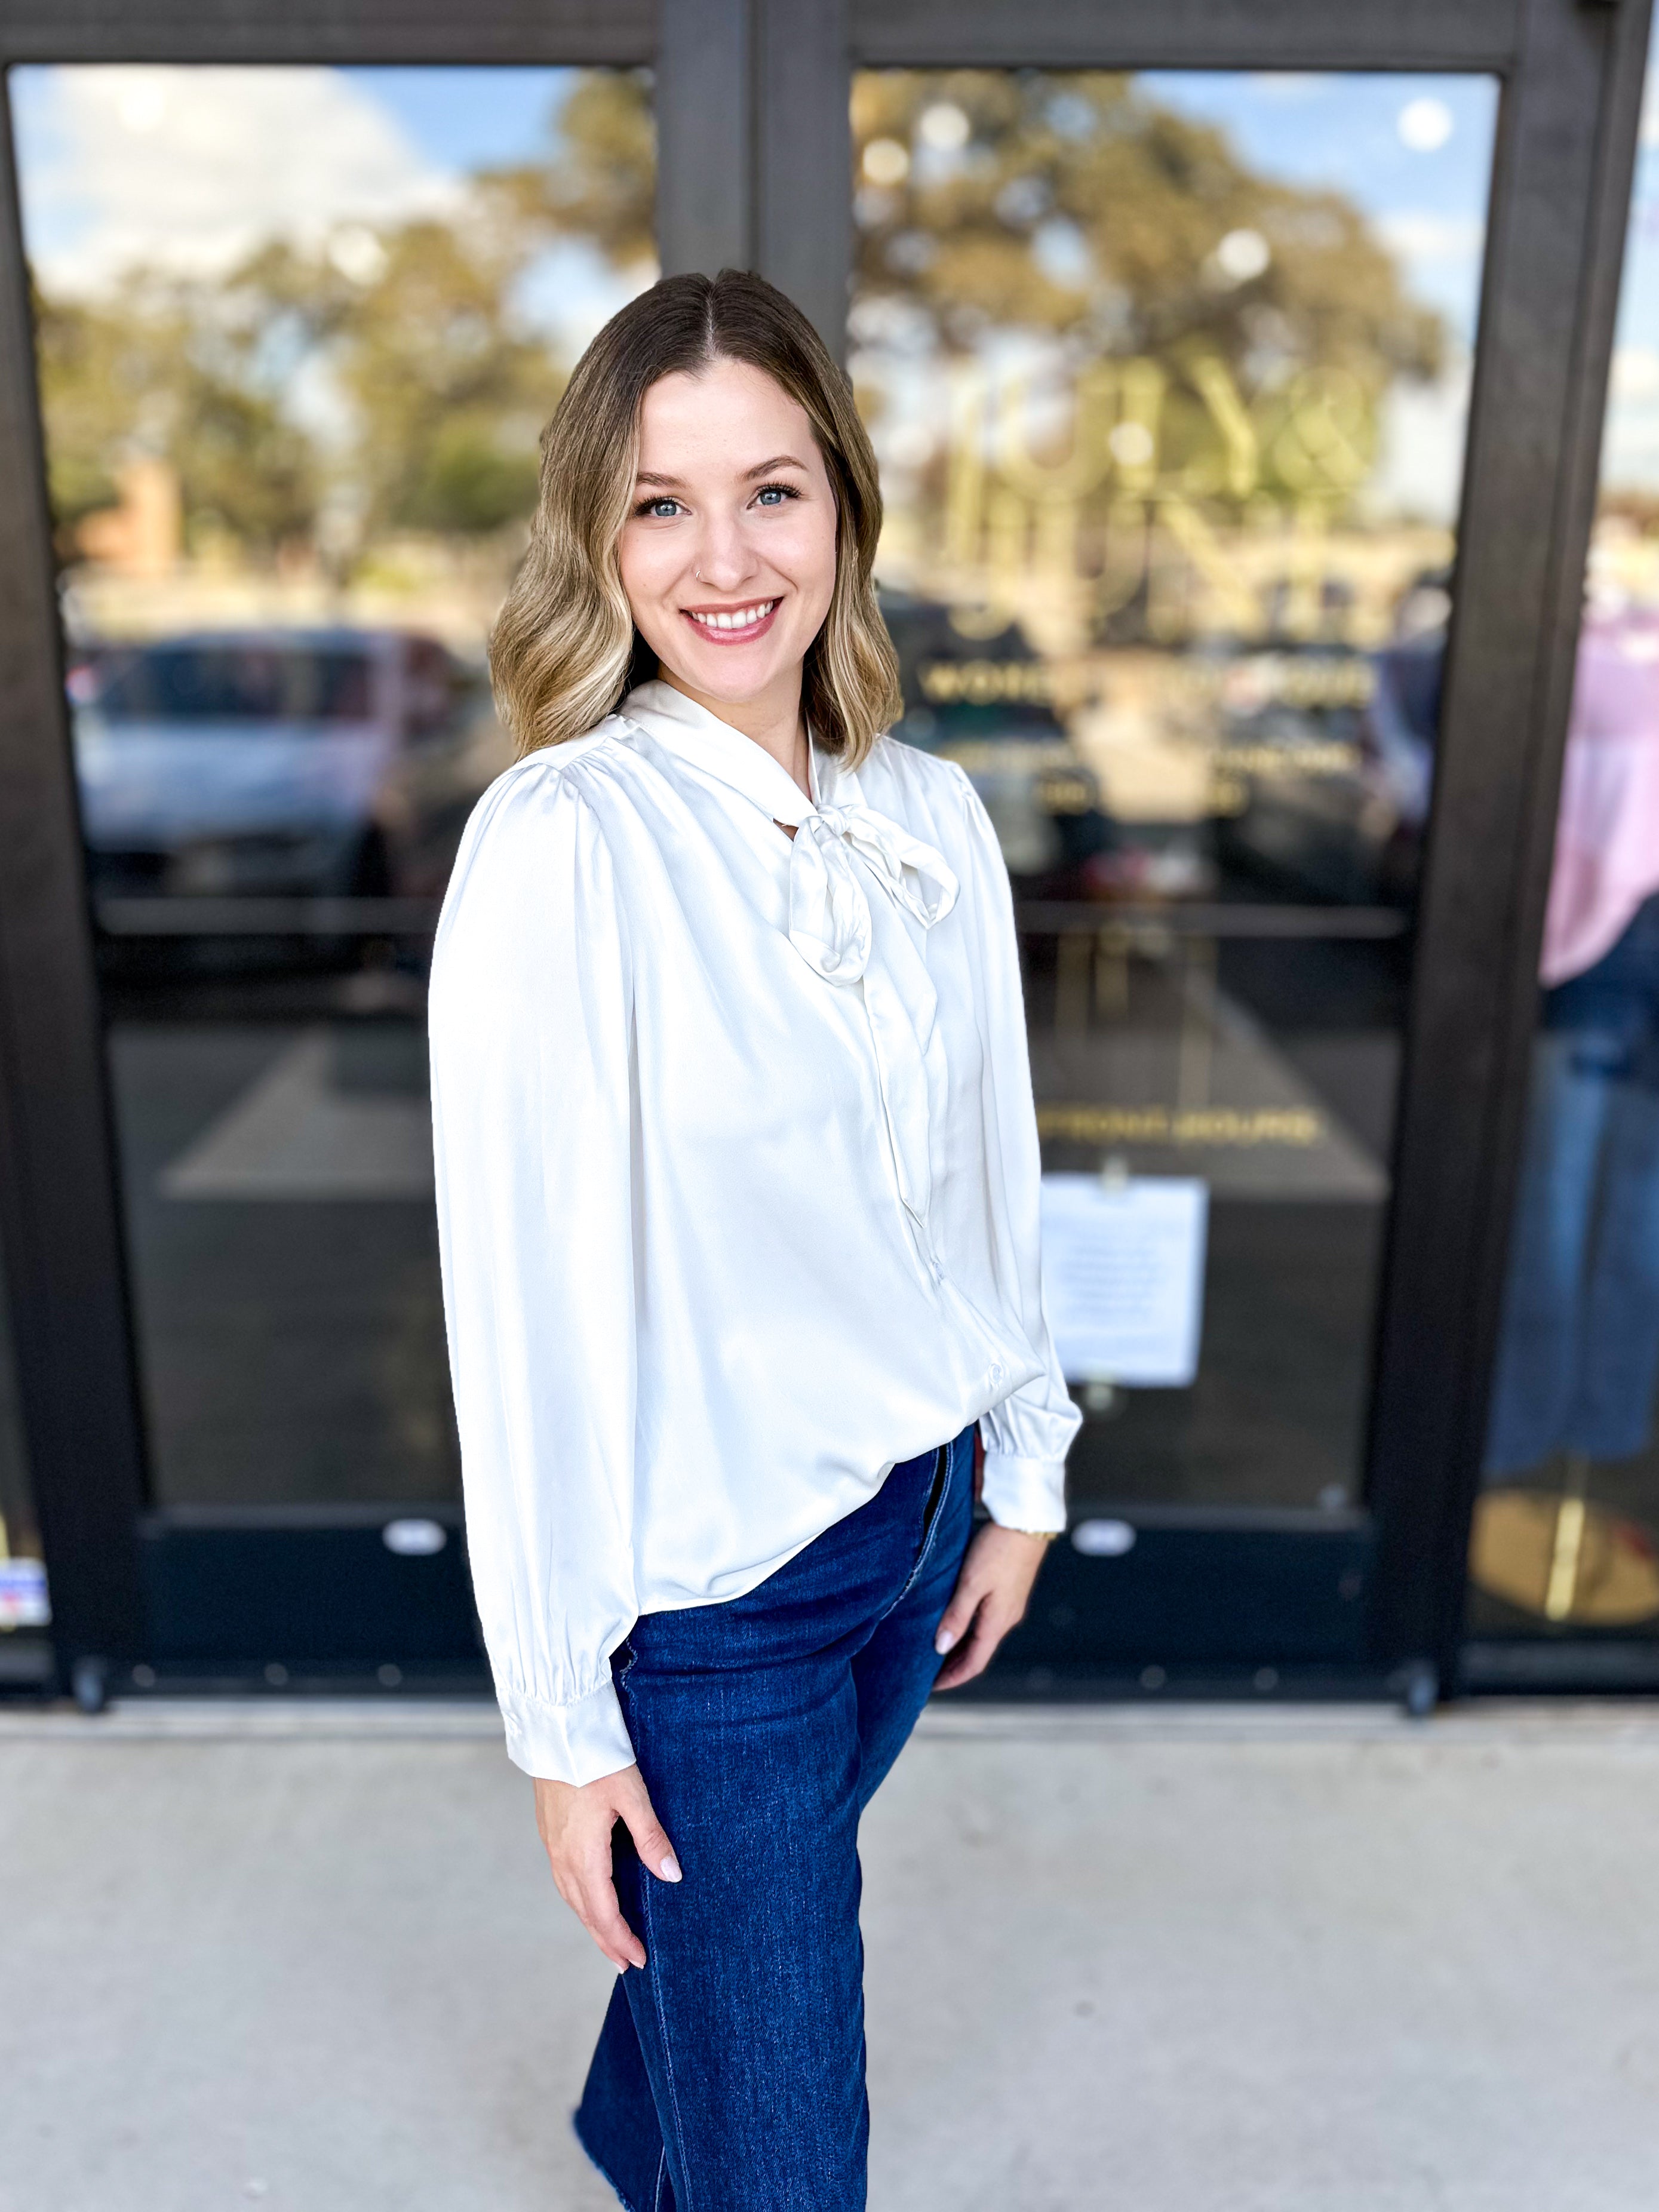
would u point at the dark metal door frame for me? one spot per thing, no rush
(753, 168)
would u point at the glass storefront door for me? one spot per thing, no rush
(291, 418)
(1168, 375)
(1223, 553)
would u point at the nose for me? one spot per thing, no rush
(725, 560)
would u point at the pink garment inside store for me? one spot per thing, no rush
(1606, 836)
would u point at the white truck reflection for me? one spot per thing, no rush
(278, 763)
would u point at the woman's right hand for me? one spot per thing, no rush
(575, 1827)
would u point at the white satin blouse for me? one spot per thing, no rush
(738, 1182)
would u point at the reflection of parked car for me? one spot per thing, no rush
(983, 700)
(279, 762)
(1326, 766)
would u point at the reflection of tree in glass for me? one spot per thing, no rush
(389, 376)
(1074, 208)
(137, 375)
(604, 186)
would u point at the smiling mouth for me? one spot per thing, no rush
(732, 625)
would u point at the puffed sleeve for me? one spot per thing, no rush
(1028, 1435)
(531, 1024)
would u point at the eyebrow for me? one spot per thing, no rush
(760, 469)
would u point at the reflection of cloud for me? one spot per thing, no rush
(1439, 259)
(1287, 84)
(1630, 442)
(1419, 470)
(1650, 107)
(189, 168)
(1419, 234)
(1635, 373)
(570, 291)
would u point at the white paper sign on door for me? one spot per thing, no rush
(1123, 1277)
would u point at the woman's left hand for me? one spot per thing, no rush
(989, 1599)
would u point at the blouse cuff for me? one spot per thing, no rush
(1026, 1493)
(574, 1743)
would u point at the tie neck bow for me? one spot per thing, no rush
(828, 913)
(829, 921)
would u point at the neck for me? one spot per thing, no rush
(772, 719)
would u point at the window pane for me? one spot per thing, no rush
(1567, 1538)
(1168, 376)
(298, 330)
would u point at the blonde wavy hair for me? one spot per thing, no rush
(564, 649)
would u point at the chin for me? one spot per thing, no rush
(729, 673)
(738, 688)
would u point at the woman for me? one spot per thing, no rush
(738, 1192)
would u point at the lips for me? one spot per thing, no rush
(732, 625)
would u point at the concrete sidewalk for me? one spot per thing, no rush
(1177, 1960)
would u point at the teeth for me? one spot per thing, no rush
(740, 618)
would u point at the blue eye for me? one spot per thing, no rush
(659, 508)
(775, 495)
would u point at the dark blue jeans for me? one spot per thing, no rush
(1578, 1356)
(729, 2075)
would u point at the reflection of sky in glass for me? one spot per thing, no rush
(1630, 452)
(197, 164)
(1413, 153)
(191, 167)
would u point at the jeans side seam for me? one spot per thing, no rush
(667, 2054)
(645, 1878)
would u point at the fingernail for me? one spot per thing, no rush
(670, 1868)
(944, 1640)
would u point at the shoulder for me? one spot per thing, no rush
(553, 776)
(566, 791)
(539, 826)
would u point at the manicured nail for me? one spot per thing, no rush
(670, 1868)
(944, 1640)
